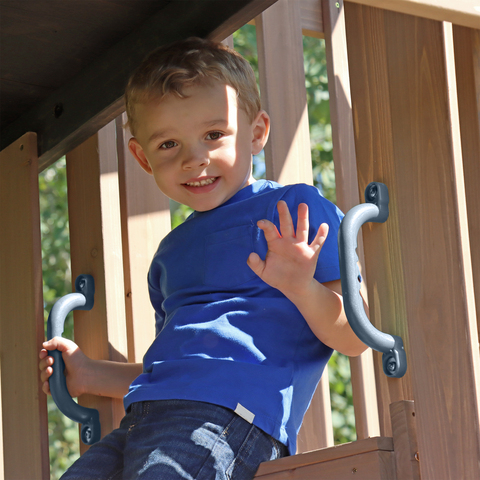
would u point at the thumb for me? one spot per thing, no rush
(58, 343)
(256, 263)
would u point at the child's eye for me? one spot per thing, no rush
(169, 144)
(214, 135)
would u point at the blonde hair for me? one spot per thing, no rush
(171, 68)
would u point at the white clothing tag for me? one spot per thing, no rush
(247, 415)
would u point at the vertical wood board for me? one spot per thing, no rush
(375, 151)
(145, 221)
(23, 404)
(317, 429)
(96, 249)
(405, 440)
(346, 180)
(467, 60)
(284, 97)
(406, 135)
(287, 153)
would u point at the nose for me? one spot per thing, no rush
(195, 158)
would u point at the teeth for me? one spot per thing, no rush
(202, 183)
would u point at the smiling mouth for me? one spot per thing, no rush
(202, 183)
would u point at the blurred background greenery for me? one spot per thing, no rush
(63, 433)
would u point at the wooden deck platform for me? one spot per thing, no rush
(368, 459)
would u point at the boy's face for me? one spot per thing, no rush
(199, 148)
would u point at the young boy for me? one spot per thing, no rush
(246, 291)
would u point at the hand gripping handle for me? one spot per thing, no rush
(394, 358)
(81, 300)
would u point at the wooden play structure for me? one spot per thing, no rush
(404, 82)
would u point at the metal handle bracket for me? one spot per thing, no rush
(374, 210)
(81, 300)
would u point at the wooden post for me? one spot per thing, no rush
(145, 221)
(362, 371)
(96, 249)
(23, 404)
(282, 84)
(467, 61)
(418, 262)
(405, 445)
(287, 153)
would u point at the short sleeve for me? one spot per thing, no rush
(320, 211)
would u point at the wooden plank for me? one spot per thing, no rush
(346, 180)
(374, 152)
(317, 429)
(145, 221)
(459, 12)
(368, 466)
(96, 249)
(94, 97)
(312, 18)
(287, 153)
(279, 36)
(405, 440)
(467, 61)
(341, 456)
(407, 136)
(23, 404)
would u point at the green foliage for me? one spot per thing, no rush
(62, 432)
(343, 416)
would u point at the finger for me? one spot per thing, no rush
(46, 388)
(56, 343)
(286, 223)
(321, 236)
(256, 263)
(46, 362)
(46, 374)
(302, 223)
(269, 230)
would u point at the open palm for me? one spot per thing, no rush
(290, 262)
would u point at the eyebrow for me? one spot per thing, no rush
(217, 121)
(208, 123)
(155, 135)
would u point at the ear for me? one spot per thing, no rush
(260, 130)
(137, 151)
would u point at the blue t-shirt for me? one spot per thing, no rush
(223, 335)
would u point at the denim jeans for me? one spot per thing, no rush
(178, 440)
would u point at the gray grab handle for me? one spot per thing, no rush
(88, 417)
(394, 358)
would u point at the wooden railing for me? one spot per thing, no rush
(381, 102)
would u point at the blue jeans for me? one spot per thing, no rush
(178, 440)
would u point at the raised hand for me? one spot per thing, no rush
(290, 262)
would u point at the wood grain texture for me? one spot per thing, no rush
(419, 260)
(145, 212)
(23, 404)
(346, 180)
(96, 249)
(467, 61)
(370, 459)
(317, 429)
(405, 440)
(287, 153)
(460, 12)
(284, 97)
(374, 151)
